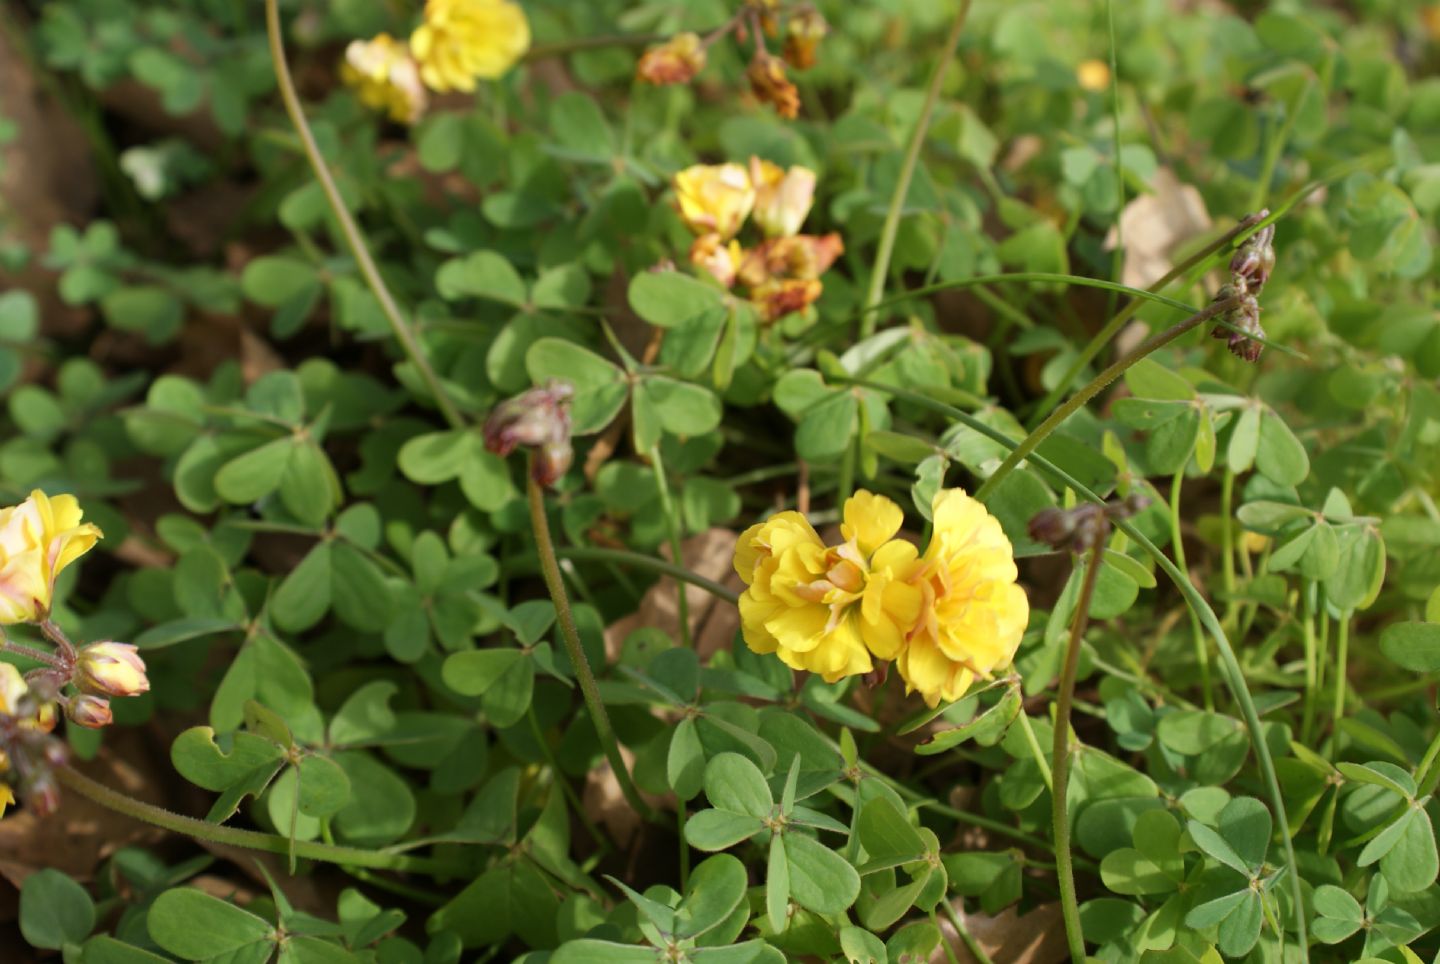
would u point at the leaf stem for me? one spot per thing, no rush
(1065, 871)
(639, 560)
(968, 939)
(234, 836)
(1027, 445)
(1202, 653)
(1342, 654)
(589, 689)
(888, 231)
(1035, 751)
(354, 237)
(672, 530)
(29, 652)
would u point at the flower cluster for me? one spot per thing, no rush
(39, 538)
(948, 617)
(457, 43)
(782, 271)
(679, 59)
(1249, 270)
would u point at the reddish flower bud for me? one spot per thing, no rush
(1245, 317)
(676, 61)
(540, 421)
(89, 711)
(770, 85)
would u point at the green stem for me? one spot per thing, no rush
(626, 558)
(1342, 654)
(1312, 663)
(1227, 544)
(1026, 446)
(589, 689)
(888, 231)
(250, 839)
(1039, 755)
(565, 788)
(1065, 871)
(672, 527)
(353, 235)
(971, 944)
(1234, 677)
(1202, 653)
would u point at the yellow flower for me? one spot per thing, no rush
(114, 669)
(38, 539)
(462, 40)
(7, 797)
(782, 198)
(716, 258)
(385, 77)
(676, 61)
(972, 613)
(1093, 75)
(714, 198)
(827, 609)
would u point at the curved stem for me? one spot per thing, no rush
(235, 837)
(891, 227)
(1064, 869)
(626, 558)
(1202, 654)
(589, 689)
(1234, 677)
(414, 351)
(1078, 401)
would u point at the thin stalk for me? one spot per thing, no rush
(626, 558)
(1039, 755)
(233, 836)
(881, 268)
(1234, 676)
(1202, 653)
(1065, 870)
(578, 44)
(354, 237)
(1312, 664)
(1227, 544)
(29, 652)
(1078, 401)
(971, 944)
(672, 529)
(1342, 654)
(589, 689)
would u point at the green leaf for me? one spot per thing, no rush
(685, 761)
(482, 274)
(358, 590)
(666, 298)
(309, 488)
(1280, 456)
(716, 888)
(304, 597)
(1412, 646)
(888, 838)
(104, 949)
(272, 281)
(777, 884)
(438, 456)
(1244, 440)
(365, 715)
(1340, 914)
(149, 310)
(734, 784)
(600, 387)
(324, 787)
(1147, 378)
(54, 910)
(254, 475)
(712, 830)
(1412, 864)
(820, 879)
(198, 758)
(195, 926)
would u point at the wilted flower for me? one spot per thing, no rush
(803, 33)
(782, 296)
(539, 420)
(1086, 525)
(38, 539)
(1093, 75)
(676, 61)
(782, 198)
(114, 669)
(972, 613)
(461, 41)
(714, 198)
(802, 256)
(717, 258)
(827, 609)
(1255, 259)
(385, 77)
(1246, 318)
(770, 85)
(89, 711)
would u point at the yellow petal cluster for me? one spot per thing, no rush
(782, 197)
(461, 41)
(38, 539)
(714, 198)
(947, 618)
(385, 77)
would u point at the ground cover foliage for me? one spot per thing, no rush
(438, 398)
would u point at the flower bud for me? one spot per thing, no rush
(89, 711)
(42, 795)
(770, 85)
(530, 419)
(1254, 260)
(676, 61)
(803, 33)
(114, 669)
(1246, 317)
(782, 198)
(1079, 529)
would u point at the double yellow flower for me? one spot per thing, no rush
(946, 618)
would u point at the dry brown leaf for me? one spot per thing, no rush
(1009, 937)
(1153, 225)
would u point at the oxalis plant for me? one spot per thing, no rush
(743, 480)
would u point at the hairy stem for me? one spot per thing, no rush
(29, 652)
(891, 227)
(589, 689)
(233, 836)
(1027, 445)
(354, 237)
(1060, 767)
